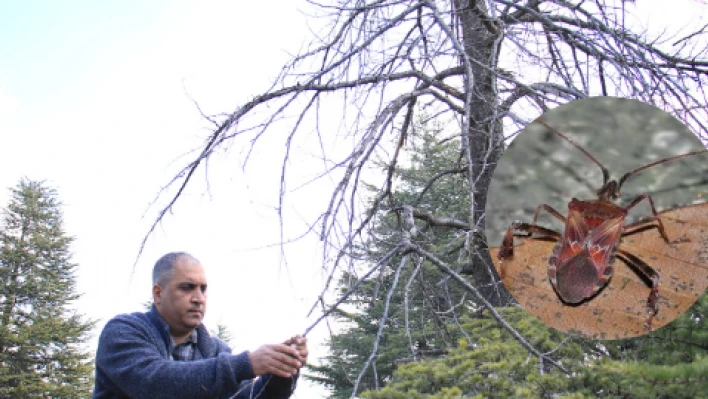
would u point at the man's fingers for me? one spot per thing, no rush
(303, 355)
(277, 366)
(289, 359)
(293, 340)
(290, 351)
(301, 346)
(297, 340)
(281, 369)
(279, 359)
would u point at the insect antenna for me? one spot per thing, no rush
(605, 172)
(664, 160)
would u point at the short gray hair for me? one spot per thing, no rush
(162, 272)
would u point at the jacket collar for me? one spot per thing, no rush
(204, 341)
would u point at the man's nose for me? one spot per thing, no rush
(198, 296)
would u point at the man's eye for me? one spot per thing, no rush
(187, 287)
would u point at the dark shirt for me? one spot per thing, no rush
(134, 360)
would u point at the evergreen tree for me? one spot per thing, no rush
(667, 363)
(424, 311)
(468, 353)
(41, 351)
(222, 332)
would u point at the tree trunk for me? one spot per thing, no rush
(485, 138)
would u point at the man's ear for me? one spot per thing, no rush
(157, 294)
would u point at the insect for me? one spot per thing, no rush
(582, 261)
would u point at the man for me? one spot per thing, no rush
(168, 353)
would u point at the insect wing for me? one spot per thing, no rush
(572, 270)
(571, 244)
(602, 243)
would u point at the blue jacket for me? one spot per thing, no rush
(132, 361)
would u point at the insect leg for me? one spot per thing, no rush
(648, 274)
(507, 248)
(506, 251)
(634, 227)
(550, 210)
(639, 226)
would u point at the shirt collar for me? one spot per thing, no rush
(193, 338)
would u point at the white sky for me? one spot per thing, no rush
(92, 100)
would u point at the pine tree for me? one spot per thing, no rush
(475, 357)
(222, 332)
(431, 327)
(41, 351)
(667, 363)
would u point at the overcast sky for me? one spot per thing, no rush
(93, 99)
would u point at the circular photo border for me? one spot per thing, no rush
(607, 268)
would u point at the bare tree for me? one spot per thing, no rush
(486, 68)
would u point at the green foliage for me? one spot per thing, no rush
(423, 288)
(222, 332)
(40, 338)
(494, 365)
(483, 360)
(669, 363)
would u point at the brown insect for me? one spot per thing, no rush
(582, 261)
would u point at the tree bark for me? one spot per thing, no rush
(480, 39)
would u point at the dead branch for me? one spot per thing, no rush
(486, 68)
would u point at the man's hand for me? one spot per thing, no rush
(300, 345)
(277, 359)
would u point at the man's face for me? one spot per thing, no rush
(181, 300)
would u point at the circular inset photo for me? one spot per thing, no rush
(597, 218)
